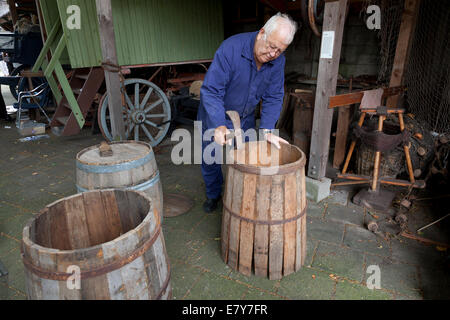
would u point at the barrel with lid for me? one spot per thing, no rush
(130, 165)
(264, 211)
(97, 245)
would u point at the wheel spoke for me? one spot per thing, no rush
(152, 124)
(130, 129)
(153, 105)
(147, 133)
(136, 95)
(147, 96)
(161, 115)
(136, 133)
(129, 103)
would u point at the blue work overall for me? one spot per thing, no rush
(233, 82)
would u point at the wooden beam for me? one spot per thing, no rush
(356, 97)
(407, 27)
(333, 28)
(13, 11)
(294, 5)
(278, 5)
(112, 77)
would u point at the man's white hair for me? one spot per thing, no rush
(281, 20)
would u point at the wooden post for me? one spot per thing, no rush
(333, 29)
(109, 53)
(407, 27)
(342, 132)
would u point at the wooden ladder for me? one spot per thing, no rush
(85, 84)
(74, 96)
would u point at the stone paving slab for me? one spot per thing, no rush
(212, 285)
(339, 261)
(396, 276)
(416, 253)
(183, 277)
(14, 265)
(258, 295)
(7, 245)
(329, 231)
(186, 222)
(346, 215)
(315, 210)
(361, 239)
(180, 245)
(307, 284)
(435, 282)
(350, 291)
(14, 227)
(208, 257)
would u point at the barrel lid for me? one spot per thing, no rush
(123, 152)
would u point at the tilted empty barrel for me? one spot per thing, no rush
(131, 165)
(97, 245)
(264, 210)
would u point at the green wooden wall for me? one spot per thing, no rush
(147, 31)
(50, 16)
(83, 44)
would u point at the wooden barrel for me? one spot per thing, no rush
(114, 237)
(132, 166)
(264, 211)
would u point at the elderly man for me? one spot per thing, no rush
(246, 68)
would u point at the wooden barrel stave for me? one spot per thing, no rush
(276, 231)
(133, 280)
(290, 211)
(233, 244)
(263, 191)
(247, 228)
(263, 229)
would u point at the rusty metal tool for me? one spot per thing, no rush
(234, 116)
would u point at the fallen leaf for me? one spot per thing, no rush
(314, 276)
(35, 173)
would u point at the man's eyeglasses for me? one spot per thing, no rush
(272, 47)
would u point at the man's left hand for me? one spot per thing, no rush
(275, 140)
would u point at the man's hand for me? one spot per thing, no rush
(275, 140)
(220, 135)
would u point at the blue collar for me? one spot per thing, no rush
(248, 50)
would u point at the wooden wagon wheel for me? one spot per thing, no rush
(312, 14)
(147, 116)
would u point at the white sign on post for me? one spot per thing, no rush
(326, 51)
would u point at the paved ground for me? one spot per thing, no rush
(340, 249)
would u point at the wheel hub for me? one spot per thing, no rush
(138, 117)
